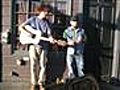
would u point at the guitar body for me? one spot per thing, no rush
(25, 37)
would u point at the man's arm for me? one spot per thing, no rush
(26, 26)
(79, 39)
(69, 40)
(28, 29)
(31, 30)
(51, 39)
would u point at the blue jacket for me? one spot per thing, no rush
(70, 34)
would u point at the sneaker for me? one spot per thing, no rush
(57, 81)
(62, 81)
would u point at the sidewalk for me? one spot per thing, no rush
(14, 86)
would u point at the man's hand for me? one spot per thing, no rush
(62, 43)
(70, 42)
(52, 40)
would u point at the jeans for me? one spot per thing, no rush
(37, 59)
(79, 62)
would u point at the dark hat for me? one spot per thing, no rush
(74, 18)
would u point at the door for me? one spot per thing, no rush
(99, 19)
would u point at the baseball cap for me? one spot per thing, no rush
(73, 18)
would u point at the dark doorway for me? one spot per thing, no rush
(99, 20)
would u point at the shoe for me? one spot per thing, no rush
(60, 81)
(57, 81)
(63, 81)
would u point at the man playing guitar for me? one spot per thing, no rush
(36, 32)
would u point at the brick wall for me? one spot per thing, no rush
(9, 66)
(5, 48)
(77, 7)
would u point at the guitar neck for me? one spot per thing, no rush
(44, 38)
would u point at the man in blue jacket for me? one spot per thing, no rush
(75, 40)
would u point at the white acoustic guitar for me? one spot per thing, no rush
(26, 37)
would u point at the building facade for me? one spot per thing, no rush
(100, 18)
